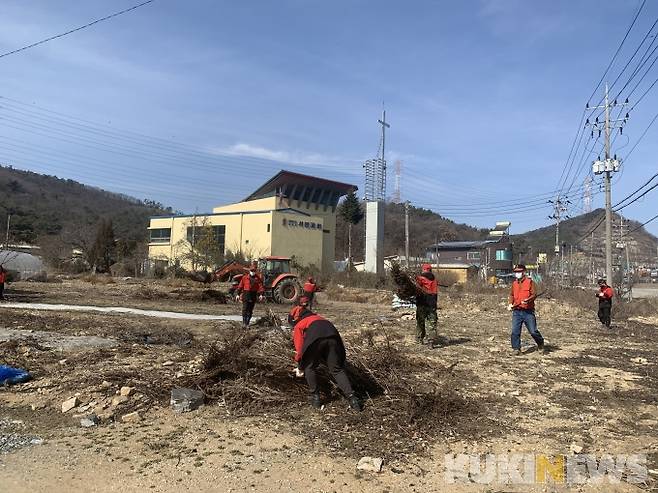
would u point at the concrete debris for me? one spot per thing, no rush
(106, 384)
(126, 391)
(69, 404)
(575, 448)
(184, 400)
(131, 417)
(168, 363)
(371, 464)
(90, 421)
(641, 361)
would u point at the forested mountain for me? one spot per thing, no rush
(43, 206)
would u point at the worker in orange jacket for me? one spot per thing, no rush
(605, 294)
(317, 341)
(310, 289)
(522, 304)
(3, 279)
(250, 289)
(426, 300)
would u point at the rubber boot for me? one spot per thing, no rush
(316, 402)
(355, 403)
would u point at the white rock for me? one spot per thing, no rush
(119, 399)
(131, 417)
(126, 391)
(168, 363)
(372, 464)
(575, 448)
(69, 404)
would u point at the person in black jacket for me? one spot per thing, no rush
(318, 342)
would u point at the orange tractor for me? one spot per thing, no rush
(281, 285)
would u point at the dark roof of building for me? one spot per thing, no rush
(286, 179)
(233, 213)
(461, 244)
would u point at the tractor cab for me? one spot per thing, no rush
(273, 267)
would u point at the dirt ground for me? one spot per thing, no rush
(593, 393)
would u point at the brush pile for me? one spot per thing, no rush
(406, 286)
(408, 403)
(214, 295)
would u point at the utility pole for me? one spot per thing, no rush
(559, 208)
(7, 236)
(591, 258)
(406, 232)
(606, 167)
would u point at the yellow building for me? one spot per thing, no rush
(289, 215)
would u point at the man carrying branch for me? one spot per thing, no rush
(522, 303)
(426, 300)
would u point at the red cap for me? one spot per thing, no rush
(426, 268)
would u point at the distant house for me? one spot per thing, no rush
(491, 257)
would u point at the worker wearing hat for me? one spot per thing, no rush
(426, 300)
(604, 294)
(317, 342)
(309, 291)
(522, 303)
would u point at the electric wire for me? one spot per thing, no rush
(80, 28)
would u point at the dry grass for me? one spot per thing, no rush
(98, 279)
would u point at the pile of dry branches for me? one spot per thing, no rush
(408, 404)
(407, 288)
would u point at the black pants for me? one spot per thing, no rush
(247, 311)
(2, 290)
(326, 351)
(310, 297)
(604, 314)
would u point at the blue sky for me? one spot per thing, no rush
(196, 103)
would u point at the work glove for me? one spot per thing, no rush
(298, 373)
(261, 298)
(509, 307)
(237, 297)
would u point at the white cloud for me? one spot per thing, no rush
(301, 158)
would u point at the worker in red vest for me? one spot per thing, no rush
(309, 291)
(522, 303)
(605, 294)
(426, 300)
(3, 279)
(318, 342)
(250, 289)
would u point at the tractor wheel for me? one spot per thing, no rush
(287, 291)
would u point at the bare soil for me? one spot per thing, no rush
(595, 389)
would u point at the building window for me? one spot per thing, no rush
(503, 255)
(218, 235)
(160, 235)
(473, 255)
(268, 227)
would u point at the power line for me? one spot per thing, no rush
(80, 28)
(614, 57)
(636, 191)
(640, 226)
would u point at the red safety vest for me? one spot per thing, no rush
(247, 283)
(522, 290)
(427, 285)
(310, 287)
